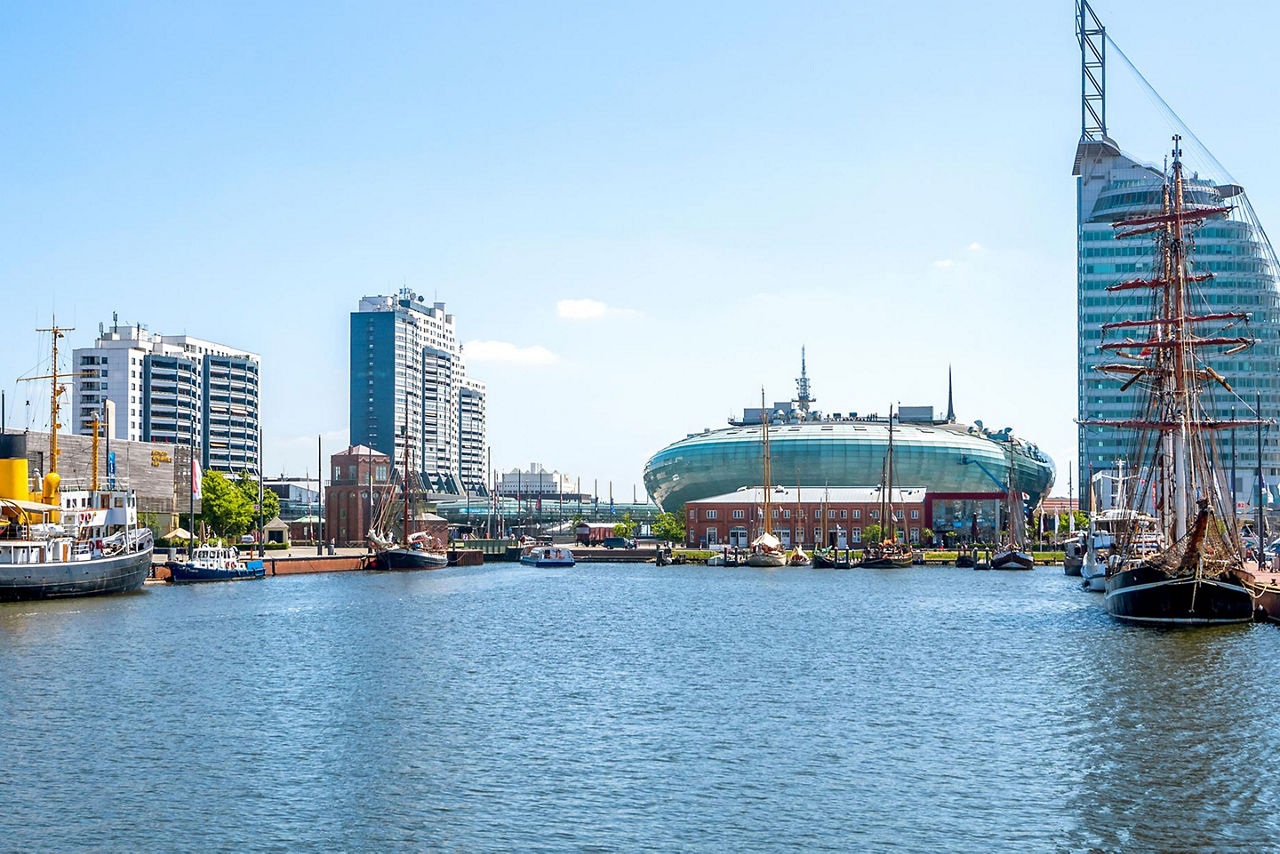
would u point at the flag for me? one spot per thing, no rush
(196, 478)
(1071, 520)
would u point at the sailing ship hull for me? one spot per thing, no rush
(1148, 595)
(765, 560)
(884, 563)
(409, 559)
(186, 573)
(98, 577)
(965, 560)
(1012, 560)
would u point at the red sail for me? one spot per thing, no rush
(1169, 321)
(1155, 283)
(1166, 343)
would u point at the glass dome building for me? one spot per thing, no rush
(964, 469)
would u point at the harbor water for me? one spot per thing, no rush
(629, 707)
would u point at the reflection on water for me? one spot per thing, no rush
(625, 707)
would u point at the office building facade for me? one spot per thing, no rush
(410, 394)
(172, 389)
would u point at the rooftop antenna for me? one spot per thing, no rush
(803, 395)
(1093, 72)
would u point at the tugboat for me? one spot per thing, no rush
(55, 543)
(888, 553)
(1197, 575)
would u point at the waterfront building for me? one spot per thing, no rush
(299, 496)
(1112, 185)
(410, 389)
(826, 516)
(363, 481)
(171, 389)
(963, 468)
(536, 482)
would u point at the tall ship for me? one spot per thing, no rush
(889, 552)
(1194, 572)
(415, 550)
(56, 542)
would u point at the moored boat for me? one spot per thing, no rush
(1195, 575)
(215, 563)
(889, 552)
(547, 556)
(57, 543)
(1073, 555)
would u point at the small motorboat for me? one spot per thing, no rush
(717, 559)
(1074, 555)
(547, 556)
(215, 563)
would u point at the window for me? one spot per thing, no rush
(857, 514)
(874, 514)
(786, 514)
(915, 535)
(713, 536)
(855, 535)
(711, 514)
(738, 514)
(844, 514)
(775, 513)
(382, 472)
(831, 514)
(915, 514)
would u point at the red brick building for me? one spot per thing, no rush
(347, 498)
(829, 516)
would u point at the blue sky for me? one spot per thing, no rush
(638, 213)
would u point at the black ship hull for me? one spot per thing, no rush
(1150, 596)
(1012, 560)
(409, 559)
(884, 563)
(118, 574)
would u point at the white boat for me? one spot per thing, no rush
(547, 556)
(766, 550)
(1140, 530)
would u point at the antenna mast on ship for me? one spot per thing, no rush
(57, 391)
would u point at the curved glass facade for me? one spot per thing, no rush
(1113, 186)
(943, 458)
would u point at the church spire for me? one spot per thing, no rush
(951, 406)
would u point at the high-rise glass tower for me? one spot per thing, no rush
(1113, 185)
(409, 387)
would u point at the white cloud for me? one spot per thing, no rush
(590, 309)
(944, 263)
(505, 351)
(975, 246)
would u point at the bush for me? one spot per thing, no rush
(276, 547)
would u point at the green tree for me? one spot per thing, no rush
(1082, 522)
(624, 528)
(927, 535)
(669, 527)
(225, 508)
(871, 534)
(248, 487)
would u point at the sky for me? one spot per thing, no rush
(638, 213)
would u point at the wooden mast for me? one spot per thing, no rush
(888, 477)
(764, 420)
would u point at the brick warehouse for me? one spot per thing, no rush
(348, 503)
(734, 520)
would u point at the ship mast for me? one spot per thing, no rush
(764, 421)
(56, 392)
(888, 479)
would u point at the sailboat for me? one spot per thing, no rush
(1012, 553)
(766, 549)
(418, 550)
(1194, 572)
(888, 553)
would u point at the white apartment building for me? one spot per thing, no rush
(174, 389)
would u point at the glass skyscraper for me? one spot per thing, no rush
(1113, 185)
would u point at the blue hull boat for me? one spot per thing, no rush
(215, 564)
